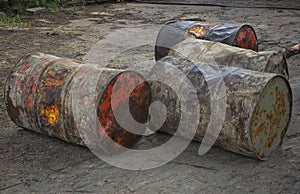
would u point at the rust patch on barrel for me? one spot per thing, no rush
(107, 105)
(51, 86)
(198, 31)
(246, 38)
(54, 80)
(201, 29)
(271, 117)
(279, 110)
(51, 113)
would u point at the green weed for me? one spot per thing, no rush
(16, 21)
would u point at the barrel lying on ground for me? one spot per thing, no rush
(225, 55)
(172, 33)
(258, 105)
(40, 95)
(246, 88)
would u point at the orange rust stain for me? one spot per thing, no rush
(138, 90)
(51, 82)
(56, 133)
(280, 108)
(30, 102)
(106, 118)
(119, 140)
(270, 139)
(260, 129)
(121, 91)
(270, 117)
(198, 31)
(278, 111)
(246, 39)
(51, 113)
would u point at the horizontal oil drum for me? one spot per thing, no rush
(172, 33)
(258, 105)
(221, 54)
(44, 93)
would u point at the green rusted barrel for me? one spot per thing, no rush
(172, 33)
(43, 93)
(258, 105)
(225, 55)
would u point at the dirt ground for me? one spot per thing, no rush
(33, 163)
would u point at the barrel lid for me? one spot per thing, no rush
(271, 117)
(114, 98)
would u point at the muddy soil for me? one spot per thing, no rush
(33, 163)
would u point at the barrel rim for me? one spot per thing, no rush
(9, 79)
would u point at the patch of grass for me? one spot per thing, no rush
(55, 31)
(52, 7)
(15, 21)
(58, 32)
(74, 33)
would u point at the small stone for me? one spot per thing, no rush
(44, 21)
(95, 19)
(100, 13)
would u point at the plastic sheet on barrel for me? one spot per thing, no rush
(172, 33)
(258, 106)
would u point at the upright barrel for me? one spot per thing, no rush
(40, 91)
(172, 33)
(258, 106)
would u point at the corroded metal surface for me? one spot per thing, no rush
(258, 108)
(40, 97)
(225, 55)
(172, 33)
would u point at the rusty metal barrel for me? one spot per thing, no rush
(174, 32)
(40, 90)
(224, 55)
(258, 106)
